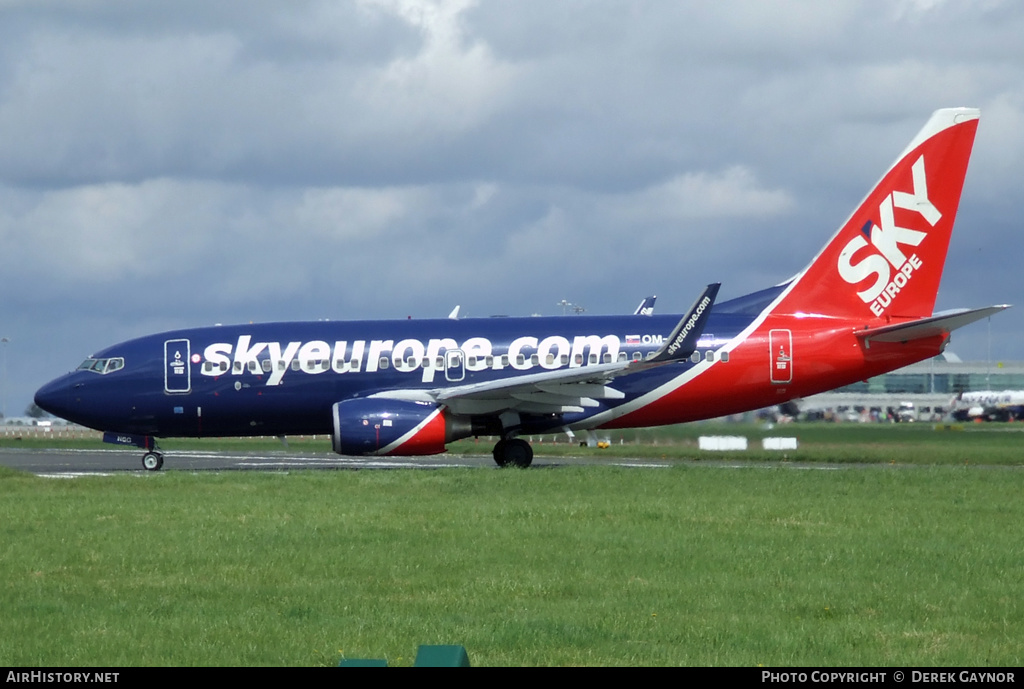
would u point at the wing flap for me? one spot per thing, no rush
(549, 398)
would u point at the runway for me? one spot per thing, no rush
(72, 463)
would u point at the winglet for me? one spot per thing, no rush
(683, 340)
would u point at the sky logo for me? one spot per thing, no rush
(888, 242)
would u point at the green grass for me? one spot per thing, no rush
(689, 565)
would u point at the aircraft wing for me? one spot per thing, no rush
(566, 390)
(939, 324)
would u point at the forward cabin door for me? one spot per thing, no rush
(177, 369)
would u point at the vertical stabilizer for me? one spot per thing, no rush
(886, 261)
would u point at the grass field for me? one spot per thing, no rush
(688, 565)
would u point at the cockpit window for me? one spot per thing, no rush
(102, 366)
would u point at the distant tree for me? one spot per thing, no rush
(34, 411)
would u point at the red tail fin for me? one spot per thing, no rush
(886, 260)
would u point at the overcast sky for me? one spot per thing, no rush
(169, 164)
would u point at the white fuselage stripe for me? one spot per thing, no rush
(408, 436)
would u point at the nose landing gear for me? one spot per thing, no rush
(152, 461)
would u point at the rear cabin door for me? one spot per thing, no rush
(780, 349)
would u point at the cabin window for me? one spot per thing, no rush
(488, 361)
(607, 357)
(207, 367)
(281, 365)
(535, 359)
(622, 356)
(504, 360)
(579, 359)
(439, 362)
(637, 356)
(355, 364)
(723, 356)
(593, 358)
(268, 365)
(549, 359)
(238, 367)
(709, 355)
(695, 357)
(471, 361)
(325, 364)
(520, 359)
(296, 365)
(425, 363)
(563, 359)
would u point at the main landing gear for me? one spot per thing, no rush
(514, 452)
(152, 461)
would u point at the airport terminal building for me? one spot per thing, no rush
(930, 385)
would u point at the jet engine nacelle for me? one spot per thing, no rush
(368, 426)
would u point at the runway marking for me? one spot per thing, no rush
(73, 474)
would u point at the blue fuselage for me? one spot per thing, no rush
(283, 378)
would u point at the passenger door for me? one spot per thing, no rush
(177, 367)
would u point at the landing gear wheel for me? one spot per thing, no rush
(152, 461)
(499, 453)
(513, 452)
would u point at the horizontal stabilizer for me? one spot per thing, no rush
(939, 324)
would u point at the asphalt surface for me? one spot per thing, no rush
(69, 463)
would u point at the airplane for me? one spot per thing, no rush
(988, 405)
(862, 307)
(646, 307)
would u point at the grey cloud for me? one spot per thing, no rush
(183, 163)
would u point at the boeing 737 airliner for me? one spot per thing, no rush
(861, 308)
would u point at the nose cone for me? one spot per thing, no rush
(55, 397)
